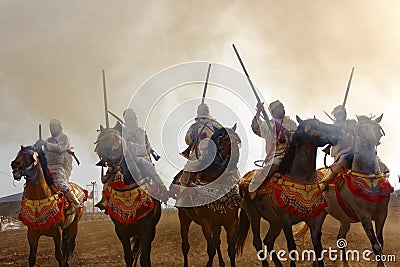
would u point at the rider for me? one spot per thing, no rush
(279, 140)
(58, 152)
(342, 152)
(197, 139)
(139, 147)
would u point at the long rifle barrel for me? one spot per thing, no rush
(205, 85)
(105, 100)
(253, 88)
(348, 87)
(40, 132)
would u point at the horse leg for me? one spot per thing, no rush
(65, 245)
(255, 219)
(291, 244)
(269, 241)
(217, 241)
(185, 224)
(368, 228)
(146, 238)
(73, 232)
(379, 223)
(207, 232)
(231, 234)
(126, 244)
(57, 237)
(344, 229)
(316, 233)
(33, 239)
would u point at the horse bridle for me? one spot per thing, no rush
(23, 170)
(369, 122)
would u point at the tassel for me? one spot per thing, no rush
(118, 181)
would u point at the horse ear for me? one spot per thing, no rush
(298, 119)
(234, 127)
(118, 127)
(358, 118)
(101, 128)
(315, 117)
(379, 119)
(22, 147)
(215, 128)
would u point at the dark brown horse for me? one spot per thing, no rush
(361, 194)
(42, 208)
(222, 211)
(135, 222)
(299, 166)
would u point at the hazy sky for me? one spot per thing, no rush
(301, 52)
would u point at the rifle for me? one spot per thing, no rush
(348, 87)
(253, 88)
(186, 152)
(40, 132)
(105, 100)
(329, 116)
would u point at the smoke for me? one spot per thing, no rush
(300, 52)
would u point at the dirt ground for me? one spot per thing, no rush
(97, 244)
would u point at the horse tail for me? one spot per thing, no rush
(301, 232)
(244, 225)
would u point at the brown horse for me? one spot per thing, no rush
(133, 211)
(361, 194)
(42, 208)
(211, 215)
(281, 205)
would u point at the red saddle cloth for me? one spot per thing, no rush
(43, 213)
(128, 206)
(305, 200)
(368, 187)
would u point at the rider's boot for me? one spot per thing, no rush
(73, 200)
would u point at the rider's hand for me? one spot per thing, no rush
(39, 144)
(260, 106)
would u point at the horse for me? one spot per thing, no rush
(222, 212)
(42, 209)
(362, 193)
(134, 212)
(290, 195)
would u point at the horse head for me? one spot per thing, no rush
(368, 132)
(109, 144)
(317, 132)
(26, 159)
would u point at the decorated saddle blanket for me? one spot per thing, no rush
(128, 206)
(305, 200)
(41, 214)
(216, 197)
(368, 187)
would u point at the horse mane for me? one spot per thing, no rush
(287, 161)
(43, 163)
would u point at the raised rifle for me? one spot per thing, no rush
(193, 144)
(348, 87)
(266, 118)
